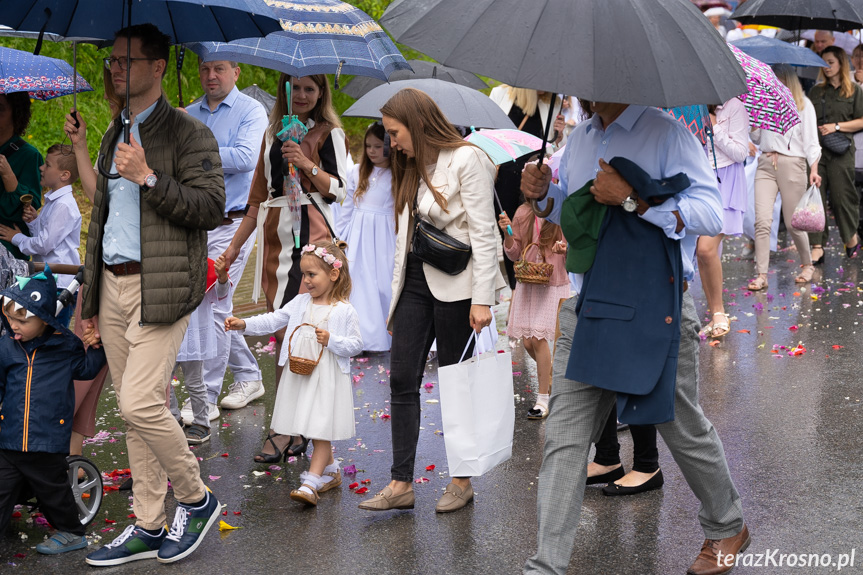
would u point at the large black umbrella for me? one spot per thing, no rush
(841, 15)
(461, 105)
(361, 85)
(657, 53)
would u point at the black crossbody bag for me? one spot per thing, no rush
(836, 142)
(438, 249)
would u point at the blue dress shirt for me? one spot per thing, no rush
(661, 146)
(121, 241)
(238, 123)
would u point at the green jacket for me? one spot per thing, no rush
(188, 200)
(25, 164)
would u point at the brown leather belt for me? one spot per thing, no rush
(231, 216)
(124, 269)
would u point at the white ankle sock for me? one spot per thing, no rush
(332, 467)
(310, 481)
(542, 399)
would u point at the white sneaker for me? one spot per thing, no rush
(241, 393)
(189, 417)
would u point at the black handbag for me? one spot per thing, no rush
(438, 249)
(836, 142)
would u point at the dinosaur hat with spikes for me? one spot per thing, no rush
(37, 295)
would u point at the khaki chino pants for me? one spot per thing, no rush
(140, 359)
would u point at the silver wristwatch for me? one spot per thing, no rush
(150, 181)
(837, 126)
(629, 204)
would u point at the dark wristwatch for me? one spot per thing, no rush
(837, 126)
(150, 181)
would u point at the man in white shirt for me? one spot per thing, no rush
(56, 231)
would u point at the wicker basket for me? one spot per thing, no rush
(302, 365)
(533, 272)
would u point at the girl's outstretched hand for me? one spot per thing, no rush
(323, 336)
(234, 324)
(503, 221)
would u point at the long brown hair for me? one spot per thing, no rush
(366, 165)
(322, 112)
(430, 133)
(846, 85)
(342, 285)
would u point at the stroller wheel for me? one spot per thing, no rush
(88, 489)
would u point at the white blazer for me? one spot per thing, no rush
(465, 177)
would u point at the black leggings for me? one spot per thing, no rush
(645, 455)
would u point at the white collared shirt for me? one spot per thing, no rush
(56, 232)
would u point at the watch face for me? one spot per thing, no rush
(150, 181)
(315, 171)
(629, 205)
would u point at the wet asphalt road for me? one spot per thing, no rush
(791, 427)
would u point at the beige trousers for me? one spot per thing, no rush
(790, 178)
(140, 359)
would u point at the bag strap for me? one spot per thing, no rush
(471, 339)
(14, 146)
(326, 221)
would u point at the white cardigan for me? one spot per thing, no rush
(345, 342)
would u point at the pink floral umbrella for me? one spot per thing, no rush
(768, 101)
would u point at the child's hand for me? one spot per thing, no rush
(221, 267)
(7, 233)
(234, 324)
(29, 214)
(503, 221)
(323, 336)
(90, 337)
(559, 247)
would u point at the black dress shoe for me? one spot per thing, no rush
(654, 482)
(612, 475)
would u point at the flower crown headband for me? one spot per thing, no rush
(323, 254)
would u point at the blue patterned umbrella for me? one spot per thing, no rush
(317, 37)
(42, 77)
(696, 118)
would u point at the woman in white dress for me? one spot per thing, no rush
(367, 224)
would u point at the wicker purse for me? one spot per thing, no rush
(302, 365)
(528, 272)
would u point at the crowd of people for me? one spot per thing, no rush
(193, 190)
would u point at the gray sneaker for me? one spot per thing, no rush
(240, 393)
(197, 434)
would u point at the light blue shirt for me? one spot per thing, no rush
(662, 147)
(121, 241)
(238, 123)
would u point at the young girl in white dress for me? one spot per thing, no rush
(367, 222)
(320, 405)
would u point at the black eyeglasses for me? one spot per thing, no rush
(123, 62)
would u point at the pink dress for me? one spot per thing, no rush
(533, 310)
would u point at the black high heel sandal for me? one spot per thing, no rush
(273, 457)
(297, 450)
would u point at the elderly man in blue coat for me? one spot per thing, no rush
(663, 148)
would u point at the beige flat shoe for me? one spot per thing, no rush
(306, 498)
(454, 498)
(385, 500)
(335, 482)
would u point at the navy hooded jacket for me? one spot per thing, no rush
(36, 377)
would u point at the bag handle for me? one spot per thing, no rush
(471, 339)
(320, 355)
(524, 252)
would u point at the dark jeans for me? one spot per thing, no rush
(417, 320)
(48, 476)
(645, 455)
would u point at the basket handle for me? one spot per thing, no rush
(524, 251)
(320, 355)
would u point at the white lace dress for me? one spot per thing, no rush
(320, 405)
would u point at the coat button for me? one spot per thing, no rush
(671, 280)
(62, 421)
(668, 320)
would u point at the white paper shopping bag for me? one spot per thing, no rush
(478, 412)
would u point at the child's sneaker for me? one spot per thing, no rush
(61, 542)
(197, 434)
(190, 526)
(133, 544)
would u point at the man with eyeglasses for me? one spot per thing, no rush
(145, 272)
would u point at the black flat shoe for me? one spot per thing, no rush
(297, 450)
(852, 252)
(654, 482)
(271, 457)
(819, 261)
(612, 475)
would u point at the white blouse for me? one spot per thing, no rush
(345, 342)
(801, 141)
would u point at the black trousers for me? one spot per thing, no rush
(645, 455)
(48, 476)
(417, 320)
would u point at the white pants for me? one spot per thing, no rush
(232, 350)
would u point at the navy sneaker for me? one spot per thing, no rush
(190, 526)
(133, 544)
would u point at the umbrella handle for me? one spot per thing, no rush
(549, 206)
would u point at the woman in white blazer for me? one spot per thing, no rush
(452, 183)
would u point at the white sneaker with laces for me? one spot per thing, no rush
(189, 417)
(241, 393)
